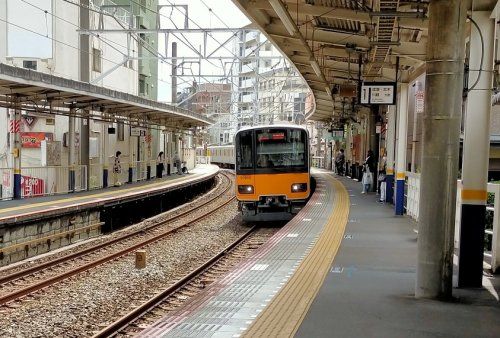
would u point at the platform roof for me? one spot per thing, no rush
(48, 94)
(335, 33)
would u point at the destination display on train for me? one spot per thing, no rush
(271, 136)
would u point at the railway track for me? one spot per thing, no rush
(124, 245)
(190, 285)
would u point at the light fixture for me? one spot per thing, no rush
(315, 66)
(284, 16)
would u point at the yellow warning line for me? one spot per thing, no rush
(79, 198)
(286, 311)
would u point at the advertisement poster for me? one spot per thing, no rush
(31, 186)
(34, 139)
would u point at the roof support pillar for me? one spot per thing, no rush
(390, 148)
(441, 137)
(15, 146)
(71, 146)
(402, 112)
(476, 154)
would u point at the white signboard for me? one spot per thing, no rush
(378, 93)
(419, 102)
(137, 131)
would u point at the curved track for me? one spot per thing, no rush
(24, 274)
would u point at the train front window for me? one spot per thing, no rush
(244, 150)
(280, 148)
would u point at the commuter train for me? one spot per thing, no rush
(272, 170)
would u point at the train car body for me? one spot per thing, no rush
(272, 171)
(223, 156)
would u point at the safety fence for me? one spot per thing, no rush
(318, 162)
(491, 232)
(96, 176)
(203, 159)
(51, 180)
(6, 184)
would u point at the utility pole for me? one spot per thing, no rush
(84, 77)
(441, 140)
(174, 72)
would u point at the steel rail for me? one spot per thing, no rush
(31, 270)
(35, 287)
(120, 324)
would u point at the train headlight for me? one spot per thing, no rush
(245, 189)
(299, 187)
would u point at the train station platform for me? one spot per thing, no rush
(343, 267)
(27, 209)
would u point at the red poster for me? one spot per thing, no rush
(32, 186)
(34, 139)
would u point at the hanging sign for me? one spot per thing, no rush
(419, 102)
(378, 93)
(137, 131)
(29, 120)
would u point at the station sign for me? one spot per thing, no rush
(137, 131)
(34, 139)
(378, 93)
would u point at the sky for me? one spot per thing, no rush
(33, 45)
(202, 13)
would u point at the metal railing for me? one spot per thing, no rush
(494, 232)
(318, 162)
(203, 159)
(96, 176)
(6, 184)
(140, 173)
(43, 181)
(412, 210)
(412, 195)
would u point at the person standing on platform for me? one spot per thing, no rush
(117, 169)
(160, 165)
(381, 177)
(340, 162)
(368, 170)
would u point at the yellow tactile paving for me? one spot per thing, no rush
(113, 193)
(286, 311)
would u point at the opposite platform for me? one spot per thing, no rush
(24, 210)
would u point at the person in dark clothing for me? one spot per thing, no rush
(340, 162)
(160, 165)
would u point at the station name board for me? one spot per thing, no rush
(378, 93)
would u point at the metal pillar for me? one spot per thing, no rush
(130, 157)
(441, 137)
(105, 155)
(15, 148)
(84, 144)
(402, 108)
(174, 72)
(476, 154)
(390, 148)
(71, 150)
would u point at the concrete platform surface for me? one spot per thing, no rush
(369, 290)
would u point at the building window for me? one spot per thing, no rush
(96, 60)
(142, 85)
(29, 64)
(267, 46)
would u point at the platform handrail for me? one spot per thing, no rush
(203, 159)
(494, 188)
(6, 184)
(52, 180)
